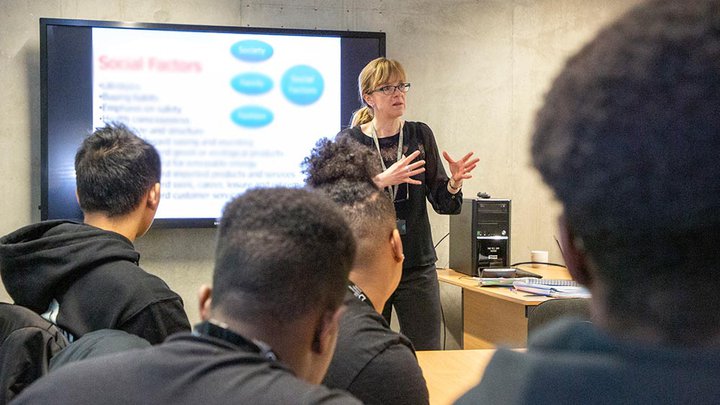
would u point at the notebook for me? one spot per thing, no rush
(552, 288)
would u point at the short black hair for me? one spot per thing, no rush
(368, 210)
(343, 169)
(114, 168)
(341, 159)
(281, 252)
(629, 139)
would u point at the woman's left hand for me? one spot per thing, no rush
(461, 169)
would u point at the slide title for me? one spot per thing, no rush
(154, 64)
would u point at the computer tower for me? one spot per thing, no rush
(480, 236)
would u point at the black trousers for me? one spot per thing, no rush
(417, 305)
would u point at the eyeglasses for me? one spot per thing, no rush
(390, 89)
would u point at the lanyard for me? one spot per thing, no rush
(359, 294)
(220, 330)
(394, 188)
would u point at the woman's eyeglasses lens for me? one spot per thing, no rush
(389, 90)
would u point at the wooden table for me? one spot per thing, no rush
(450, 373)
(495, 316)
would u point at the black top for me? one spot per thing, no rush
(575, 363)
(372, 362)
(93, 275)
(410, 206)
(186, 369)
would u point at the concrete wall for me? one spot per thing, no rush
(478, 68)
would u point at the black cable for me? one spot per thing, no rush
(559, 247)
(545, 263)
(441, 239)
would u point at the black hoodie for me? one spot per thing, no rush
(95, 278)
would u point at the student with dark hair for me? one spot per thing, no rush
(269, 326)
(85, 276)
(629, 139)
(371, 361)
(114, 169)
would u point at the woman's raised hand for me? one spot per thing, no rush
(401, 171)
(461, 169)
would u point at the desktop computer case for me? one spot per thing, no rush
(480, 236)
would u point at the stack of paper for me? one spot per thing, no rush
(552, 288)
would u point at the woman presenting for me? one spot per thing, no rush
(412, 172)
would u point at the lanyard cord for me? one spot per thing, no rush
(394, 188)
(359, 293)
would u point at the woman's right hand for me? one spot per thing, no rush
(401, 171)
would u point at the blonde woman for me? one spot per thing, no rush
(412, 173)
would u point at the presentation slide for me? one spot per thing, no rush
(226, 111)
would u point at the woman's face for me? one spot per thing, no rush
(388, 106)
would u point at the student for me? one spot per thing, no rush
(85, 276)
(411, 183)
(268, 332)
(629, 139)
(371, 361)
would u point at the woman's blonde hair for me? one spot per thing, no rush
(375, 73)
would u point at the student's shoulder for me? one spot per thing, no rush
(282, 387)
(393, 375)
(320, 394)
(125, 271)
(127, 279)
(367, 332)
(77, 380)
(399, 354)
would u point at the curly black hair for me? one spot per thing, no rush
(343, 169)
(341, 159)
(629, 140)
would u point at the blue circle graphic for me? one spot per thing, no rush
(252, 50)
(302, 84)
(252, 83)
(252, 116)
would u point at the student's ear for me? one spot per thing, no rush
(77, 197)
(153, 199)
(575, 257)
(397, 246)
(205, 301)
(326, 331)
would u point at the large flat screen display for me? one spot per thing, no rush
(229, 108)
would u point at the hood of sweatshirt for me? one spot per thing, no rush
(39, 260)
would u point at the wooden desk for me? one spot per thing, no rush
(450, 373)
(496, 315)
